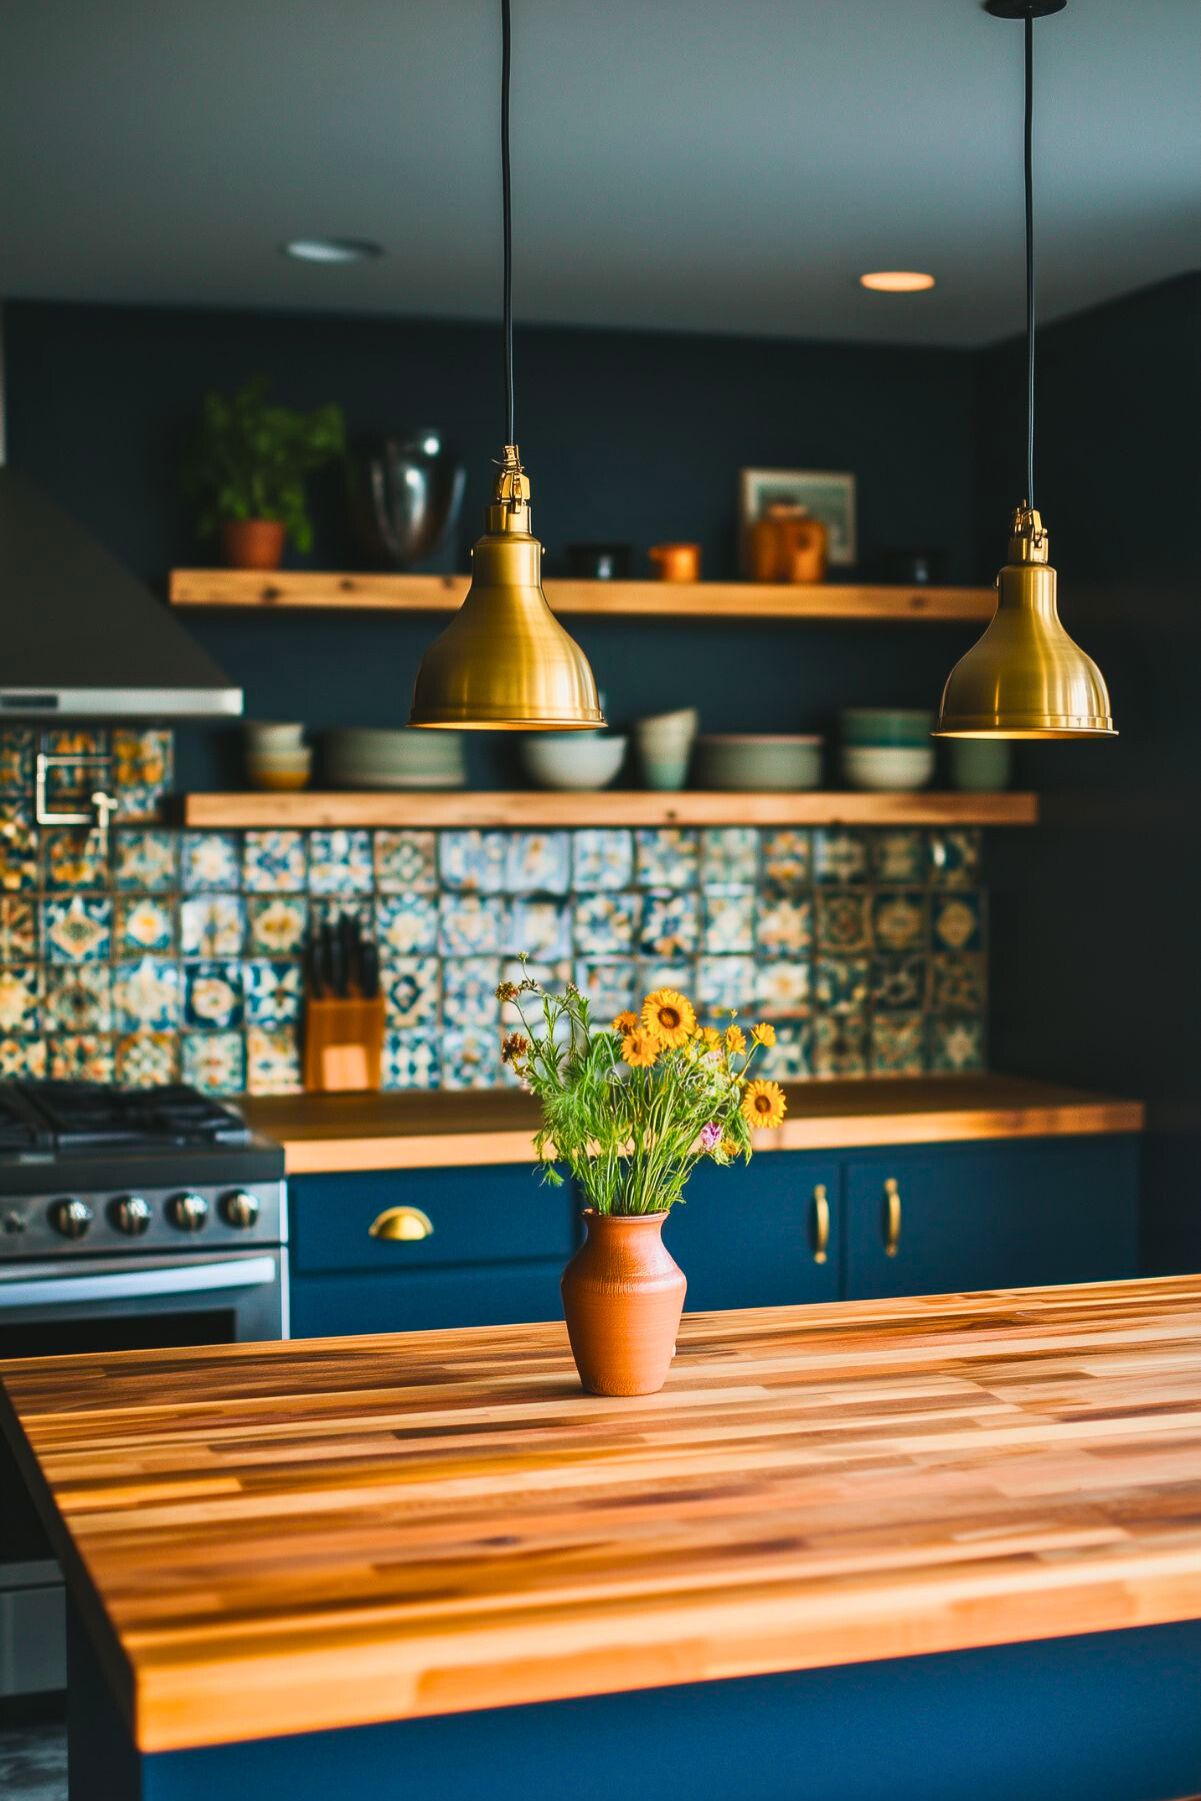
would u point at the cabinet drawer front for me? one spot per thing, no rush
(500, 1295)
(502, 1214)
(766, 1234)
(992, 1216)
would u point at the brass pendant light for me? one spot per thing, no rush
(1026, 678)
(504, 663)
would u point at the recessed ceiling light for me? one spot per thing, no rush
(896, 281)
(332, 250)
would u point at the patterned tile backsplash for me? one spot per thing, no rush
(178, 953)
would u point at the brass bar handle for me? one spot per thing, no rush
(892, 1230)
(402, 1223)
(821, 1223)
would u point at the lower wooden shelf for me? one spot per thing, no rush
(465, 807)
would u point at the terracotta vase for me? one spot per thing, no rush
(623, 1294)
(252, 543)
(787, 545)
(676, 562)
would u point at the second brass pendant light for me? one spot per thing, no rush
(504, 663)
(1026, 678)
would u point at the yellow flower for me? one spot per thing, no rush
(763, 1034)
(735, 1038)
(668, 1017)
(711, 1038)
(729, 1147)
(639, 1049)
(763, 1104)
(625, 1022)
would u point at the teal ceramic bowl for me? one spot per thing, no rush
(886, 727)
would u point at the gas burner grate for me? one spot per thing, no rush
(83, 1115)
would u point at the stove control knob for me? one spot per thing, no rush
(14, 1222)
(187, 1211)
(240, 1208)
(131, 1214)
(70, 1217)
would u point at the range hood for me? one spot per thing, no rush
(82, 638)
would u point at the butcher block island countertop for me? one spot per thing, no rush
(267, 1540)
(329, 1133)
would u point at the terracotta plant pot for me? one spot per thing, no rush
(252, 543)
(623, 1294)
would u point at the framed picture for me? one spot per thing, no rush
(828, 494)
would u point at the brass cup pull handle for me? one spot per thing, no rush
(821, 1223)
(401, 1223)
(892, 1229)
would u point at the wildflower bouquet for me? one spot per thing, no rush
(632, 1108)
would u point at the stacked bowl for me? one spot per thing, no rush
(887, 747)
(366, 757)
(277, 758)
(664, 743)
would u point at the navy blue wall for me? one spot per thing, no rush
(629, 435)
(1095, 918)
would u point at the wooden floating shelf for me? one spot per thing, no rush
(308, 590)
(467, 807)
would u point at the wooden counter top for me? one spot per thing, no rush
(324, 1133)
(276, 1539)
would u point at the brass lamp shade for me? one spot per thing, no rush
(1025, 678)
(504, 663)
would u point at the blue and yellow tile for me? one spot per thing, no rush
(788, 857)
(78, 998)
(728, 921)
(407, 924)
(73, 858)
(955, 855)
(840, 1046)
(273, 1060)
(602, 857)
(212, 925)
(468, 925)
(470, 1058)
(958, 982)
(276, 927)
(148, 995)
(790, 1058)
(411, 991)
(957, 1044)
(340, 862)
(898, 857)
(783, 988)
(405, 862)
(214, 1062)
(275, 862)
(22, 1058)
(16, 760)
(20, 998)
(411, 1060)
(145, 859)
(273, 990)
(143, 923)
(536, 927)
(898, 982)
(605, 924)
(900, 919)
(783, 923)
(667, 857)
(841, 984)
(729, 855)
(958, 922)
(670, 925)
(18, 930)
(77, 929)
(213, 996)
(18, 847)
(147, 1059)
(472, 862)
(724, 985)
(143, 757)
(609, 985)
(898, 1044)
(79, 1057)
(840, 855)
(844, 920)
(209, 860)
(538, 862)
(469, 991)
(666, 972)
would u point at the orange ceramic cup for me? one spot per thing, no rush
(677, 562)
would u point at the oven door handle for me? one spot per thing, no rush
(139, 1284)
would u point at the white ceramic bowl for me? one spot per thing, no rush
(894, 767)
(759, 762)
(369, 757)
(267, 737)
(572, 759)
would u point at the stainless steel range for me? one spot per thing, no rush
(128, 1218)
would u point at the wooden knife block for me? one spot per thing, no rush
(343, 1044)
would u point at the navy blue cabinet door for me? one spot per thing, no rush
(493, 1294)
(762, 1234)
(953, 1217)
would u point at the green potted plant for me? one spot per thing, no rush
(248, 467)
(631, 1110)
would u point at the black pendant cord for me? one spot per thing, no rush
(506, 58)
(1029, 154)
